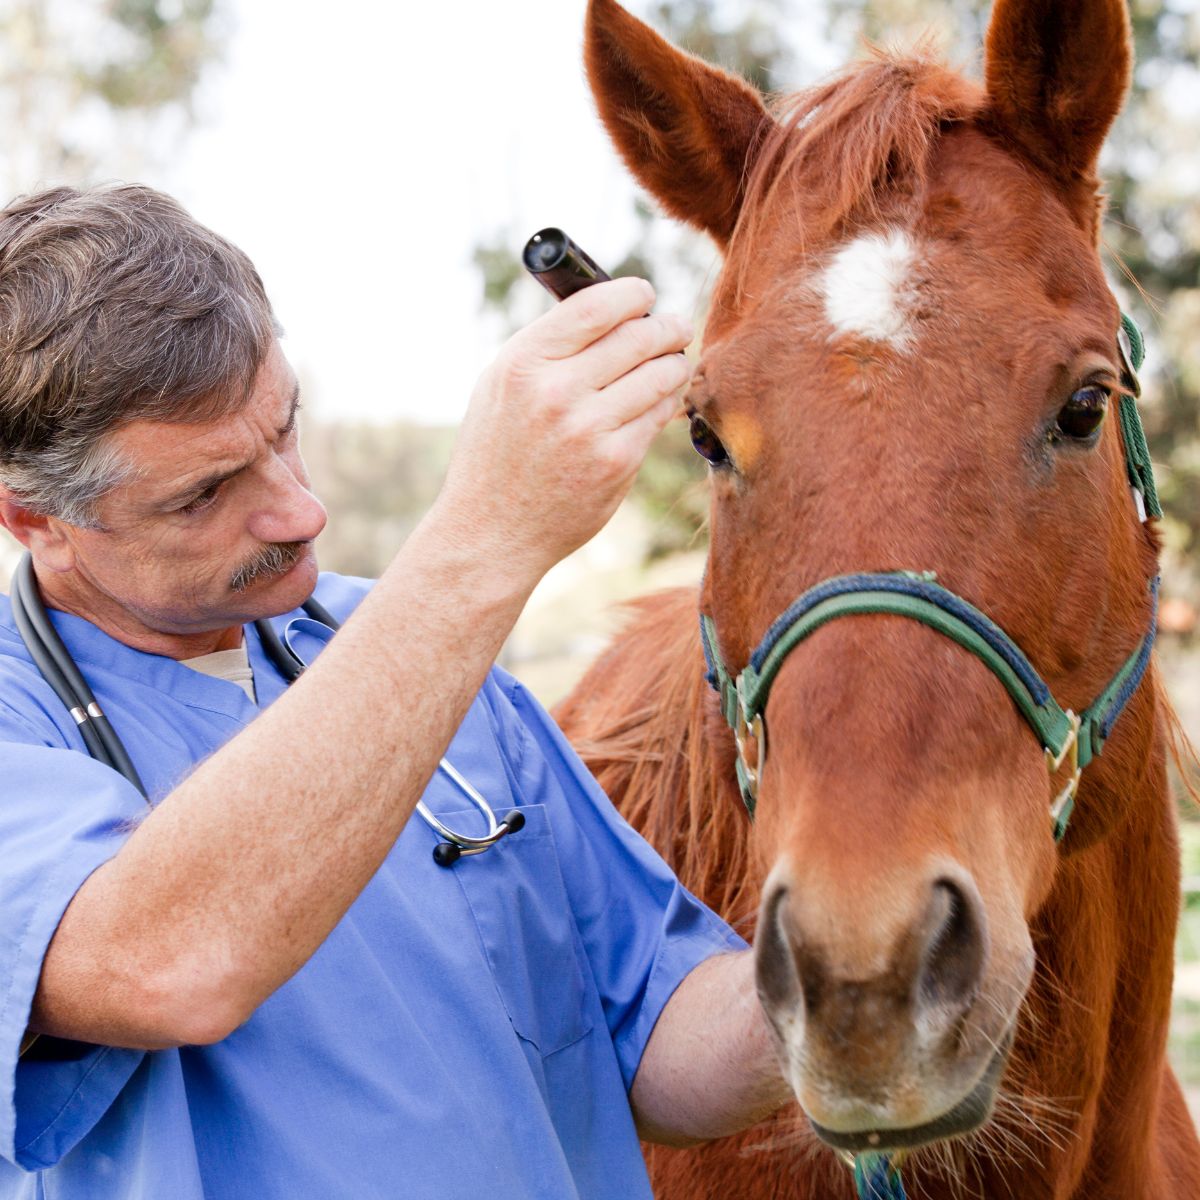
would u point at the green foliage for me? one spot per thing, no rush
(158, 58)
(751, 46)
(672, 487)
(500, 269)
(1154, 229)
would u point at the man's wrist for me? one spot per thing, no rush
(482, 550)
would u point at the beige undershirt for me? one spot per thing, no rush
(233, 665)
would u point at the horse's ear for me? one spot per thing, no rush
(1057, 73)
(685, 129)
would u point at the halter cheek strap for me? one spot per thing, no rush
(1070, 741)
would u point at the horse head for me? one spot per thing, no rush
(911, 370)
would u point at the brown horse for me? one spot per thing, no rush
(911, 364)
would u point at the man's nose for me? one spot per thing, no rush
(289, 512)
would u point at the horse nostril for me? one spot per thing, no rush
(775, 968)
(955, 948)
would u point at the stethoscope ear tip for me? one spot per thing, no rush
(446, 854)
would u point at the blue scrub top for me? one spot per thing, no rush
(469, 1032)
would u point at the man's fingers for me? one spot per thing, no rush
(587, 316)
(642, 390)
(630, 344)
(636, 435)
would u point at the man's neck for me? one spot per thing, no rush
(123, 626)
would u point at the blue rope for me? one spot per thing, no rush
(876, 1178)
(1109, 718)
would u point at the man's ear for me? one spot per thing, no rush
(44, 537)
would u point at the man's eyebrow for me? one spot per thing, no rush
(201, 485)
(214, 478)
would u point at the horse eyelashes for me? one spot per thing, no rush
(706, 442)
(1080, 418)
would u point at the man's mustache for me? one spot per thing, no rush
(273, 559)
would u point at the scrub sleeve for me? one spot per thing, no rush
(53, 1096)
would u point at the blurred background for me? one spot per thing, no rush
(383, 165)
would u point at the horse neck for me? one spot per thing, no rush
(1094, 1026)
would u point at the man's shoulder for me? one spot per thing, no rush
(25, 697)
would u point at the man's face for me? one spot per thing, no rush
(213, 528)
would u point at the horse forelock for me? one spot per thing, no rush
(890, 110)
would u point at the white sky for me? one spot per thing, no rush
(358, 151)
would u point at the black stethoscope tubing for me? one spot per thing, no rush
(285, 660)
(62, 673)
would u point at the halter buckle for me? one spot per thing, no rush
(1125, 346)
(1070, 751)
(1060, 807)
(744, 730)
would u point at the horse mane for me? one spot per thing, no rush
(1182, 752)
(667, 763)
(890, 108)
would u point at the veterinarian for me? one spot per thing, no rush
(258, 982)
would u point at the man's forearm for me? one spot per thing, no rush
(229, 886)
(710, 1066)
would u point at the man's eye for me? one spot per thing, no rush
(201, 501)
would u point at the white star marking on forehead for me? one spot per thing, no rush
(866, 288)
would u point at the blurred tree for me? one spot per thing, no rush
(745, 38)
(377, 482)
(1153, 173)
(96, 89)
(103, 87)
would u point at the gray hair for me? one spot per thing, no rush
(115, 306)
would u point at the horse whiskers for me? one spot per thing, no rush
(789, 1131)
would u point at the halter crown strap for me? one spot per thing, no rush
(1137, 453)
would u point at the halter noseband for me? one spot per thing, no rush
(1068, 740)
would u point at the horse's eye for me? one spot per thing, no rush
(1080, 417)
(707, 444)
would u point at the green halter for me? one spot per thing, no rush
(1068, 740)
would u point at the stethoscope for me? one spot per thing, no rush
(62, 673)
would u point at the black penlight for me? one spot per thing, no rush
(559, 265)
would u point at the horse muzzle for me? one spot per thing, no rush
(892, 1032)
